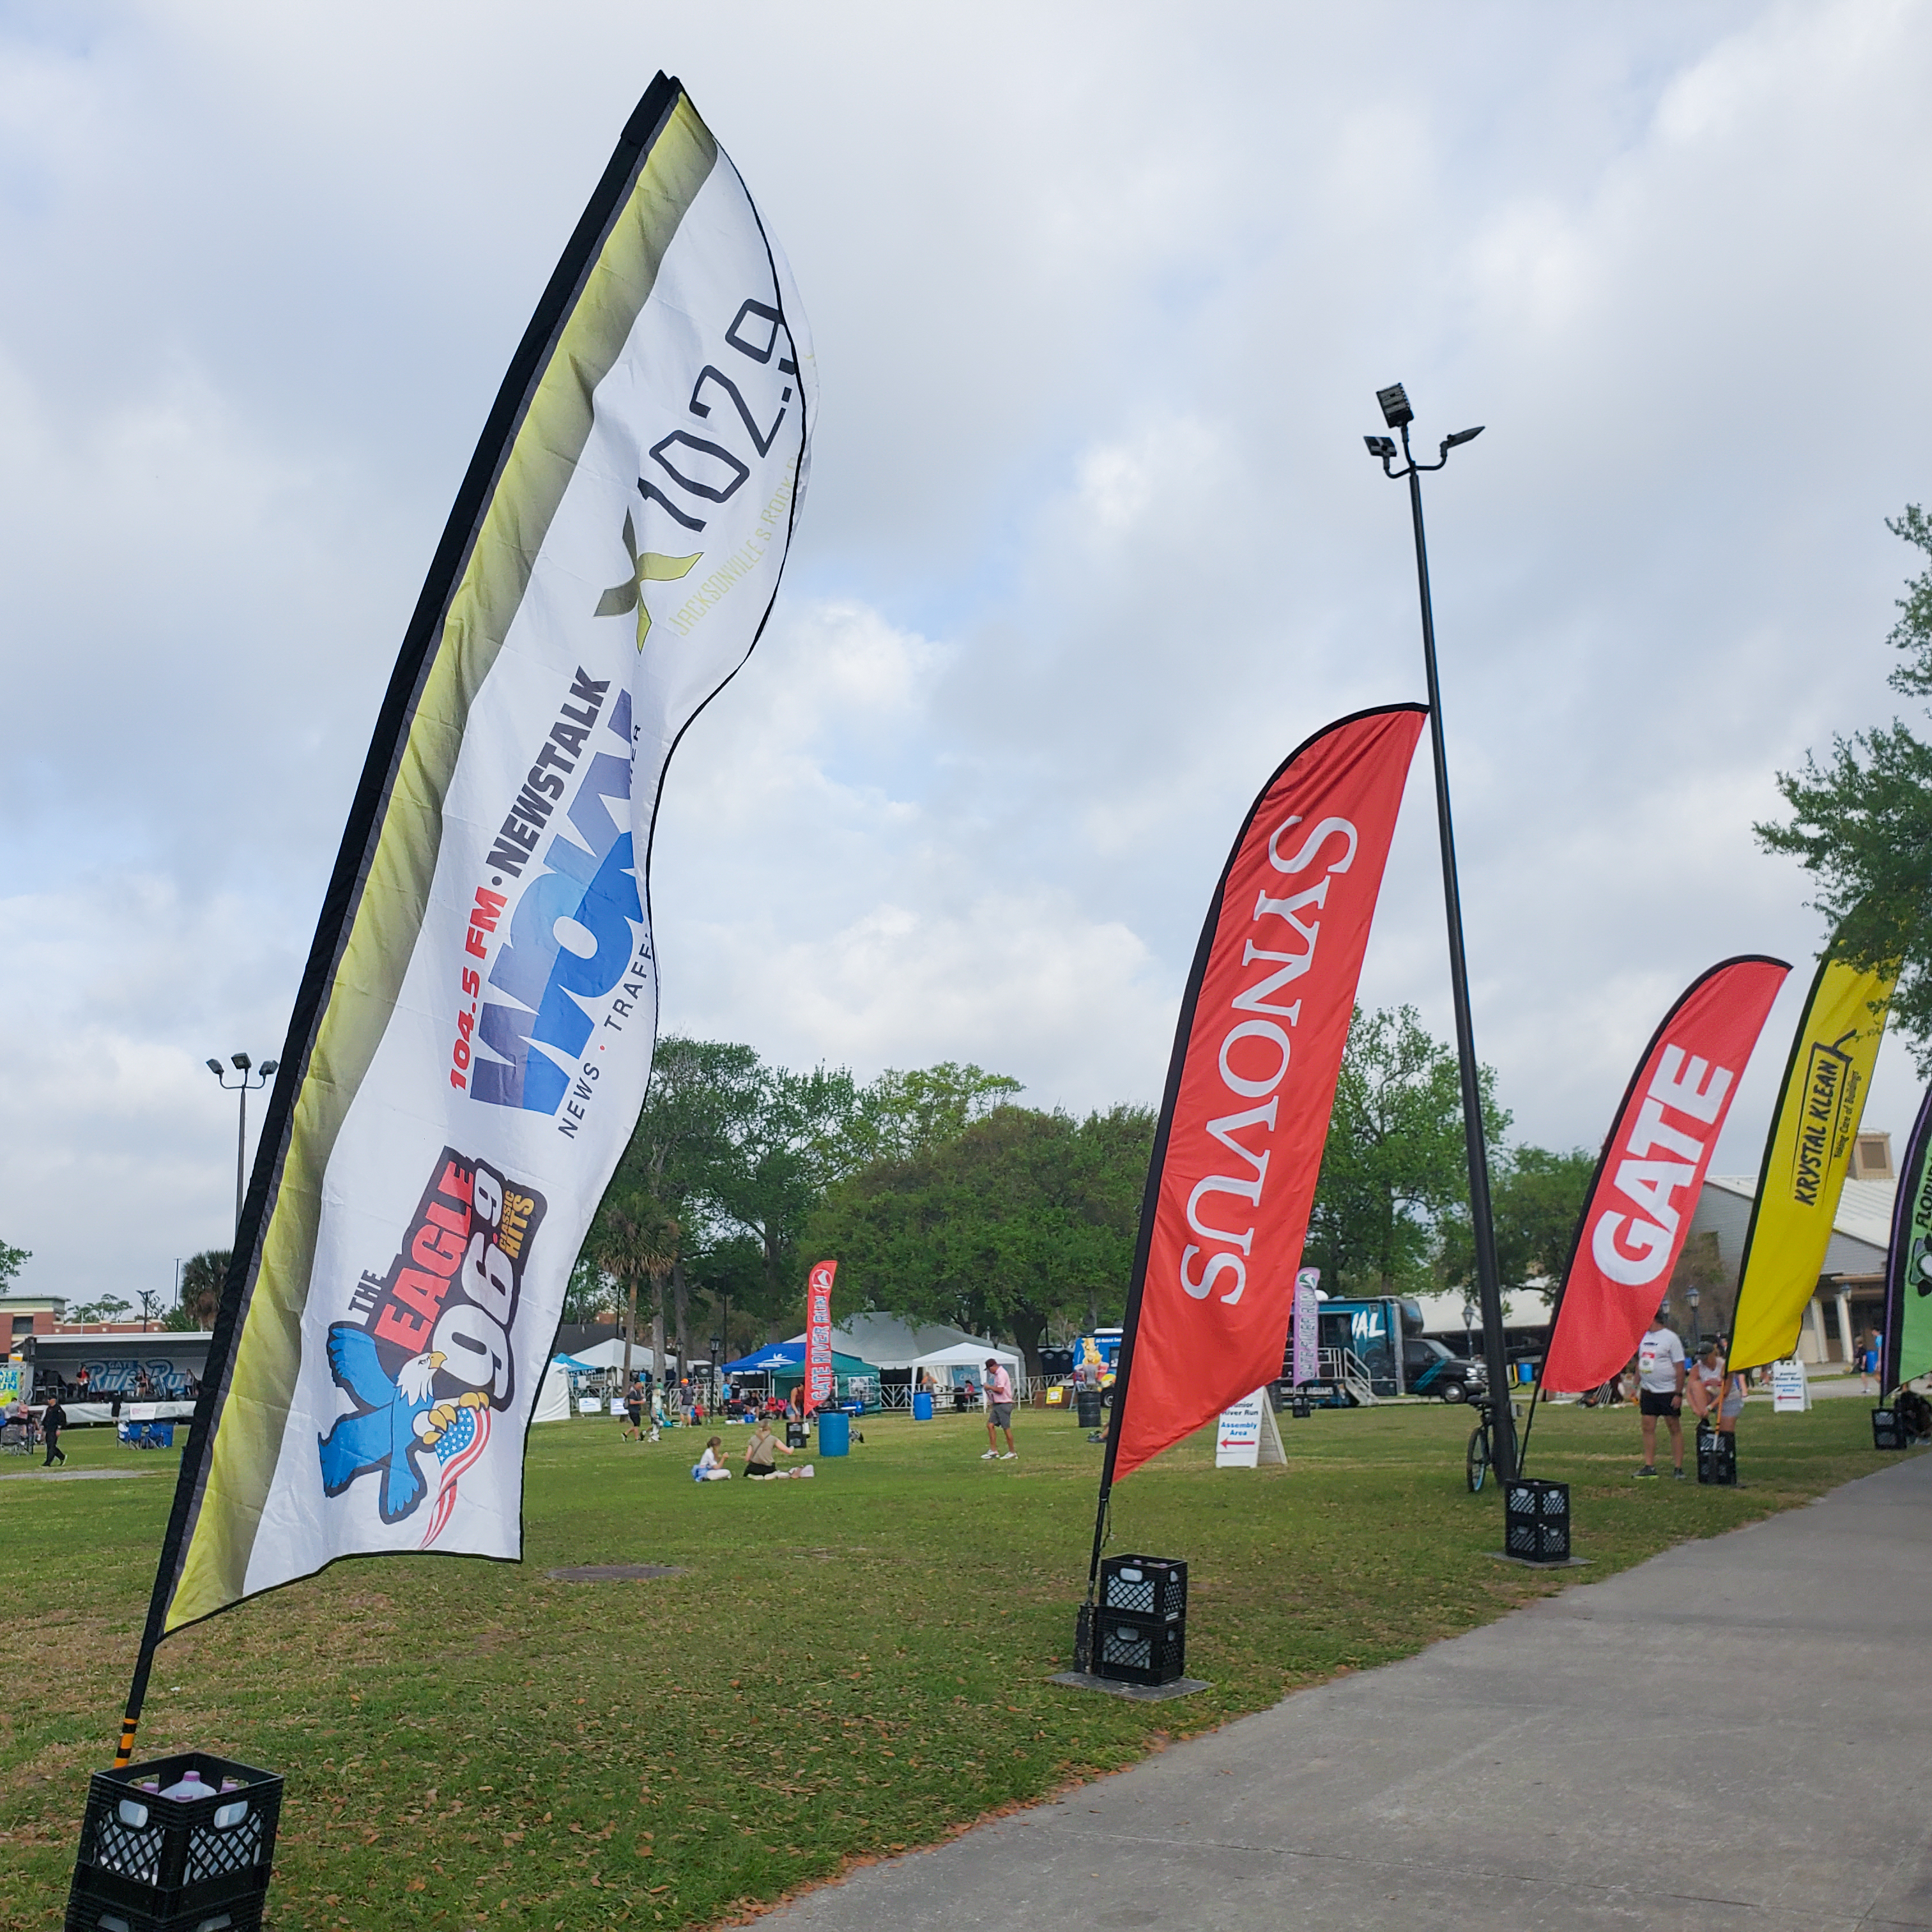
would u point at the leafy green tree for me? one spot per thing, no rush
(1394, 1163)
(791, 1143)
(202, 1278)
(899, 1113)
(12, 1260)
(1535, 1197)
(1861, 822)
(998, 1228)
(108, 1308)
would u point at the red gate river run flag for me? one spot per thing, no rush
(1637, 1214)
(1251, 1083)
(473, 1034)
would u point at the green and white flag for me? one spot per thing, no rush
(474, 1031)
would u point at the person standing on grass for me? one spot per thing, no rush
(1660, 1371)
(53, 1419)
(999, 1410)
(634, 1412)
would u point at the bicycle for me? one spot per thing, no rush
(1481, 1457)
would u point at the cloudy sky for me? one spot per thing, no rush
(1101, 296)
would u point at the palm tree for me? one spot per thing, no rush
(632, 1240)
(202, 1278)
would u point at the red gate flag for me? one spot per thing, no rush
(1638, 1211)
(1252, 1082)
(818, 1335)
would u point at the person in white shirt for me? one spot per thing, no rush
(1659, 1372)
(709, 1468)
(999, 1410)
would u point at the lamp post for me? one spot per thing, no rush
(1697, 1333)
(260, 1078)
(1398, 415)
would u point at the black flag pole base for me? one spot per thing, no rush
(1139, 1694)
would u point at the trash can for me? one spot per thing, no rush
(922, 1405)
(835, 1432)
(1087, 1408)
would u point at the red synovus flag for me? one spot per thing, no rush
(1638, 1211)
(1252, 1082)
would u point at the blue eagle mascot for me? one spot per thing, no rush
(386, 1429)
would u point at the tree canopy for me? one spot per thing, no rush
(1394, 1163)
(201, 1279)
(1862, 821)
(1017, 1217)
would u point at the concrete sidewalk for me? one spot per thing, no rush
(1734, 1734)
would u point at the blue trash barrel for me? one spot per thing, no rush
(922, 1405)
(835, 1432)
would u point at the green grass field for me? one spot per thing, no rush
(847, 1667)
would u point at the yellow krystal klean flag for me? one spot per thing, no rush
(1806, 1157)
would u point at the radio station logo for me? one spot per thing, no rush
(427, 1358)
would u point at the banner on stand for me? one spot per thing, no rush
(1251, 1084)
(1806, 1155)
(1906, 1347)
(1637, 1212)
(473, 1033)
(818, 1363)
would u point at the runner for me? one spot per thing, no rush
(1660, 1370)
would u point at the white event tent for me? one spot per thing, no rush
(892, 1344)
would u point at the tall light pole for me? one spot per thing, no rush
(1397, 414)
(261, 1077)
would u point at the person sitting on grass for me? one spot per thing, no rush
(762, 1452)
(709, 1468)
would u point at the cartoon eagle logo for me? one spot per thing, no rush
(395, 1419)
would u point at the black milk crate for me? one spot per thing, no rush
(1148, 1586)
(1138, 1649)
(1716, 1456)
(1888, 1430)
(151, 1863)
(1536, 1520)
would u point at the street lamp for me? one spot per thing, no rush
(261, 1076)
(1397, 414)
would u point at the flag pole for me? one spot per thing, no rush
(1397, 414)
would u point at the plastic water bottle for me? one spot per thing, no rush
(190, 1785)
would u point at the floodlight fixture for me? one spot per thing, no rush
(1461, 436)
(1382, 446)
(240, 1060)
(215, 1067)
(269, 1066)
(1395, 411)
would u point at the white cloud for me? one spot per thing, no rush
(1101, 295)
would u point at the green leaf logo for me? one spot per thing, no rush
(647, 567)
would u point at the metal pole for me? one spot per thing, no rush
(240, 1147)
(1488, 1284)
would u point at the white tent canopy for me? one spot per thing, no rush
(553, 1398)
(610, 1355)
(967, 1354)
(889, 1342)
